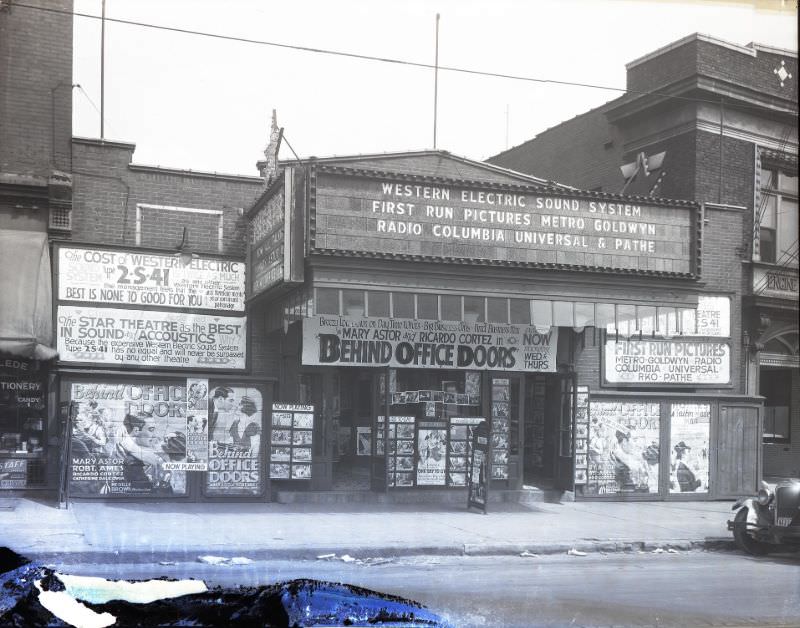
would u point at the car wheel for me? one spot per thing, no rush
(744, 541)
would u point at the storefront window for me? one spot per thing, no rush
(403, 305)
(474, 309)
(427, 307)
(353, 302)
(451, 308)
(520, 311)
(327, 301)
(378, 303)
(497, 310)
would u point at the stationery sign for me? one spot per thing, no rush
(120, 337)
(377, 214)
(677, 362)
(394, 342)
(136, 278)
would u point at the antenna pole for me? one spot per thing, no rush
(436, 83)
(103, 71)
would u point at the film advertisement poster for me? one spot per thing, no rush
(648, 362)
(235, 425)
(197, 421)
(363, 441)
(432, 448)
(13, 473)
(355, 341)
(690, 431)
(137, 278)
(115, 337)
(279, 471)
(623, 447)
(129, 439)
(478, 478)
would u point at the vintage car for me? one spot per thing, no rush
(770, 521)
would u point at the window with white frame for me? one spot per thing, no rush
(777, 214)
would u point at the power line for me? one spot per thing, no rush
(365, 57)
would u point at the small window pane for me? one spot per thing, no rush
(768, 204)
(788, 183)
(474, 309)
(451, 308)
(520, 312)
(403, 305)
(498, 310)
(767, 239)
(327, 301)
(787, 233)
(377, 303)
(563, 315)
(427, 306)
(353, 302)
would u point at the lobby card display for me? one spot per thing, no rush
(478, 468)
(623, 448)
(129, 439)
(690, 432)
(581, 435)
(235, 426)
(400, 450)
(291, 440)
(458, 449)
(501, 420)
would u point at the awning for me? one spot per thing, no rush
(26, 317)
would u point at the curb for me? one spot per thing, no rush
(307, 553)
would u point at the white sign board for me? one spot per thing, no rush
(119, 337)
(354, 341)
(688, 362)
(132, 278)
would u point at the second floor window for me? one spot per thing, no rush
(778, 216)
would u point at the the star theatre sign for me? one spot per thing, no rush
(361, 214)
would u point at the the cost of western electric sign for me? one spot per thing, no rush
(128, 277)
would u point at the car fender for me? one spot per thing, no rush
(752, 513)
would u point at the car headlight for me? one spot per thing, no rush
(764, 497)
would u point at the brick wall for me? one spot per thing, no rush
(35, 88)
(107, 190)
(584, 152)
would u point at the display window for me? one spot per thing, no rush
(22, 423)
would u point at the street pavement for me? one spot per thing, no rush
(155, 531)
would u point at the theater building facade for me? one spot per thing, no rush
(411, 296)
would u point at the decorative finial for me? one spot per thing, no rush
(271, 152)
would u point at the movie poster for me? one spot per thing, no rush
(197, 421)
(128, 439)
(623, 448)
(690, 425)
(234, 440)
(432, 449)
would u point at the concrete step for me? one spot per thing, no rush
(415, 496)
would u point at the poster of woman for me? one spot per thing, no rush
(690, 425)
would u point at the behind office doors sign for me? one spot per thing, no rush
(358, 341)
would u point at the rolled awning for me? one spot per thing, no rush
(26, 317)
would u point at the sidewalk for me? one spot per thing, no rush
(143, 532)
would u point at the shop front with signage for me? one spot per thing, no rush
(412, 306)
(153, 383)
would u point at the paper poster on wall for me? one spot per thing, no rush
(234, 439)
(292, 437)
(675, 362)
(117, 277)
(129, 439)
(116, 337)
(363, 441)
(197, 420)
(690, 431)
(623, 447)
(432, 462)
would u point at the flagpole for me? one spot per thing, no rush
(436, 83)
